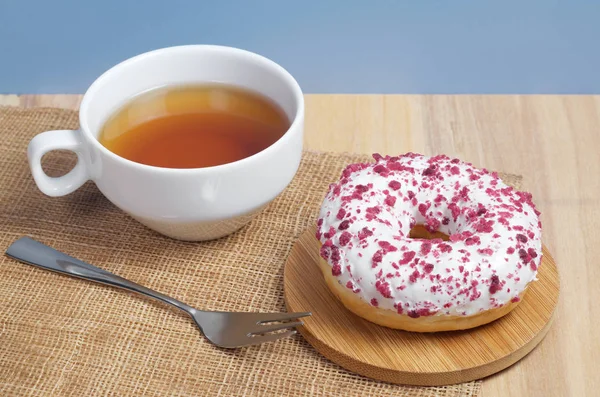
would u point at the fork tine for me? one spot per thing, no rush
(270, 337)
(262, 329)
(272, 317)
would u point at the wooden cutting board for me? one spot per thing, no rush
(428, 359)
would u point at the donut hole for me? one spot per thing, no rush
(420, 232)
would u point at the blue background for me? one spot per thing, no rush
(342, 46)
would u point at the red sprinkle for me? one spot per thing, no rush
(344, 225)
(345, 238)
(413, 277)
(486, 251)
(494, 284)
(423, 207)
(325, 252)
(377, 258)
(381, 169)
(425, 248)
(425, 312)
(455, 210)
(364, 233)
(374, 210)
(330, 233)
(432, 224)
(472, 240)
(361, 188)
(407, 256)
(445, 247)
(335, 254)
(336, 270)
(484, 226)
(387, 246)
(384, 288)
(394, 185)
(521, 237)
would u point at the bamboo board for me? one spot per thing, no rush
(414, 358)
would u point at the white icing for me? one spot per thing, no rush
(433, 292)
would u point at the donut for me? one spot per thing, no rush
(427, 244)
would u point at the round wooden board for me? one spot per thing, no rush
(427, 359)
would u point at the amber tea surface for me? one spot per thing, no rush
(194, 126)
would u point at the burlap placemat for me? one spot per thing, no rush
(66, 337)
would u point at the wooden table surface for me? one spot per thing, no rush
(553, 141)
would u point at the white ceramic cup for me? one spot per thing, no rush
(187, 204)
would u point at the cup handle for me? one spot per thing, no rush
(57, 140)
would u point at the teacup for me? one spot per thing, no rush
(186, 204)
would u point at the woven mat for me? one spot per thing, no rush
(66, 337)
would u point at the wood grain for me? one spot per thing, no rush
(428, 359)
(553, 141)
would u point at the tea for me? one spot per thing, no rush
(194, 126)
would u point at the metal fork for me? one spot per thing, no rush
(224, 329)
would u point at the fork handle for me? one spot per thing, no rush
(34, 253)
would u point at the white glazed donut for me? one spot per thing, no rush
(382, 273)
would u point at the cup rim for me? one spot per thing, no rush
(295, 87)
